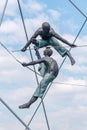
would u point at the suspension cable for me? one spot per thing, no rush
(77, 8)
(82, 85)
(32, 60)
(14, 113)
(56, 45)
(1, 19)
(74, 40)
(15, 57)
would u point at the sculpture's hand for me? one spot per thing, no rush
(34, 41)
(23, 49)
(24, 64)
(35, 48)
(73, 45)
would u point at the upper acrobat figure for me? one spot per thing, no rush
(49, 38)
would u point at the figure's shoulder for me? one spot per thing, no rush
(52, 31)
(47, 58)
(39, 30)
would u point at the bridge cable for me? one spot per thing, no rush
(32, 60)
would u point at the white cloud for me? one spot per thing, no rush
(69, 86)
(33, 24)
(11, 9)
(71, 25)
(16, 95)
(12, 32)
(9, 27)
(54, 13)
(35, 6)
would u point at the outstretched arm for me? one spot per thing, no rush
(33, 62)
(37, 53)
(62, 39)
(31, 39)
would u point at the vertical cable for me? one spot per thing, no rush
(32, 60)
(14, 113)
(1, 19)
(77, 8)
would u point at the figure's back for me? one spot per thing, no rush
(52, 65)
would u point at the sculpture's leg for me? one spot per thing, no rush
(70, 57)
(27, 105)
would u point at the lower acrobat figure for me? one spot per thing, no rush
(48, 69)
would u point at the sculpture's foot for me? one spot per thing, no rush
(72, 61)
(26, 105)
(70, 57)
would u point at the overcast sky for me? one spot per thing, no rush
(66, 105)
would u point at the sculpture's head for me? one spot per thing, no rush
(46, 27)
(48, 51)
